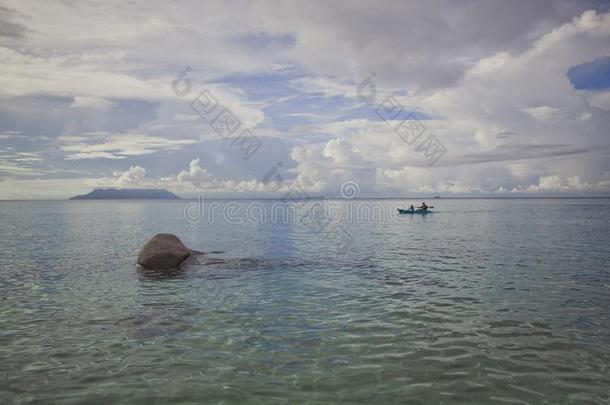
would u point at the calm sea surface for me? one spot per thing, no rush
(482, 302)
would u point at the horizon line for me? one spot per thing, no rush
(315, 198)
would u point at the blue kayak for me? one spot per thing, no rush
(402, 211)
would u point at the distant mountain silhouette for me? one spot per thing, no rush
(127, 193)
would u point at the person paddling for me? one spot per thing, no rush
(423, 207)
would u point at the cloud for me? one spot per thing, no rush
(21, 163)
(90, 102)
(131, 177)
(197, 176)
(8, 134)
(10, 28)
(324, 167)
(117, 146)
(543, 113)
(599, 99)
(409, 43)
(516, 152)
(87, 89)
(559, 183)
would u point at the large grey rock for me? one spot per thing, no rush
(163, 251)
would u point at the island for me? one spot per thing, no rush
(127, 193)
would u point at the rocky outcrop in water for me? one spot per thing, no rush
(163, 251)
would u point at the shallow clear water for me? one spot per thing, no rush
(484, 301)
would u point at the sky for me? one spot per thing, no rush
(264, 98)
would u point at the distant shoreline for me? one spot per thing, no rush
(127, 194)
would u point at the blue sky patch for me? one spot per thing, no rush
(594, 75)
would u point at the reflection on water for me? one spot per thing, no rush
(483, 302)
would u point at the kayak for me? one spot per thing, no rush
(403, 211)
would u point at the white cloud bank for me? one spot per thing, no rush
(496, 89)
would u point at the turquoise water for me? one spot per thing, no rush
(484, 301)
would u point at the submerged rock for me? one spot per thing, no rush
(163, 251)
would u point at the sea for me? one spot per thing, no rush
(482, 301)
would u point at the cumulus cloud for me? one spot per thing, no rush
(560, 183)
(197, 176)
(131, 177)
(323, 168)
